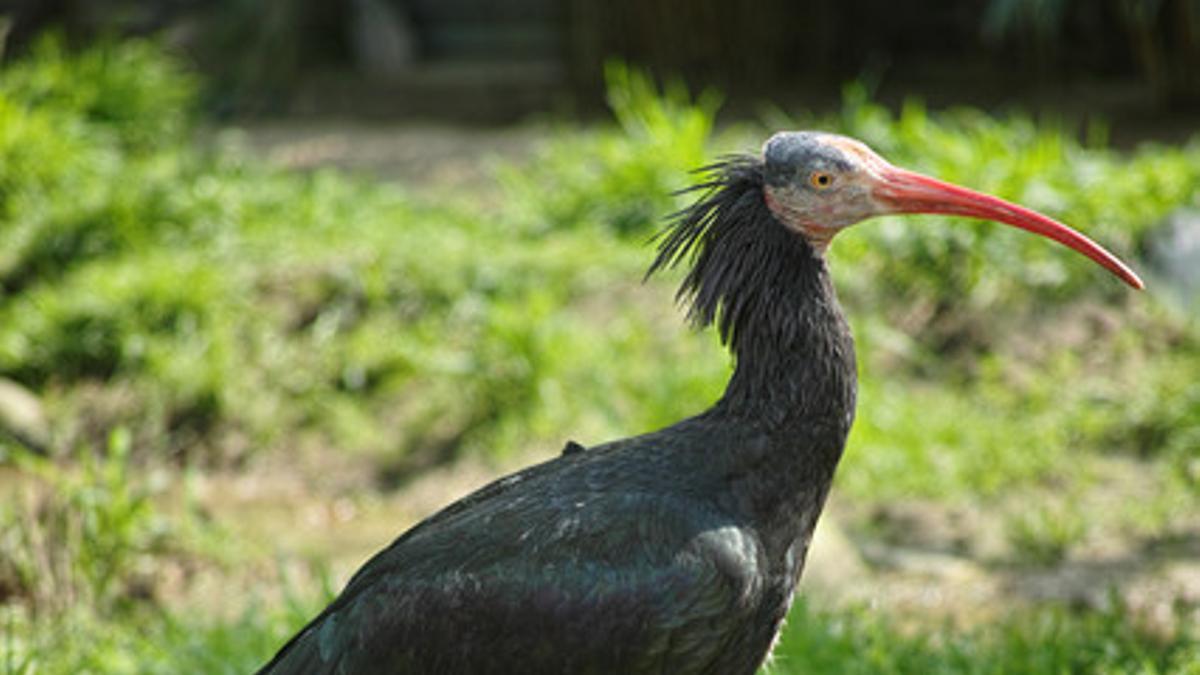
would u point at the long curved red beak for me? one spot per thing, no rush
(902, 191)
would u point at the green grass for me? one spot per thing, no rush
(126, 91)
(852, 640)
(181, 309)
(237, 301)
(152, 642)
(1046, 641)
(234, 301)
(79, 538)
(998, 421)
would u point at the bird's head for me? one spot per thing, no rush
(740, 237)
(818, 184)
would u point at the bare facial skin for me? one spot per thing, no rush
(819, 184)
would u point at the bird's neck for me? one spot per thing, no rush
(795, 364)
(780, 428)
(792, 392)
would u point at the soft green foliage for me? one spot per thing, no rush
(845, 641)
(1025, 417)
(953, 265)
(621, 179)
(922, 440)
(82, 537)
(1044, 532)
(215, 310)
(85, 161)
(1047, 641)
(153, 642)
(125, 88)
(234, 301)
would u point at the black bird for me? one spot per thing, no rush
(676, 551)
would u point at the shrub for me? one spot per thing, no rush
(129, 88)
(619, 178)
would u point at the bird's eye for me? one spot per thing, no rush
(820, 180)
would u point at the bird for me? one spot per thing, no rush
(679, 550)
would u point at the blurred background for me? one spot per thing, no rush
(428, 57)
(279, 279)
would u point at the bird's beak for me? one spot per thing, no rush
(898, 190)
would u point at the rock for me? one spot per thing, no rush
(22, 418)
(1173, 251)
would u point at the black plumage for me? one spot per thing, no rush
(672, 552)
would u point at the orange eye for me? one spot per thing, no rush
(820, 180)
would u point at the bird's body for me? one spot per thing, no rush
(672, 552)
(529, 575)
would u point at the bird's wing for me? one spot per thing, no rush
(564, 568)
(299, 649)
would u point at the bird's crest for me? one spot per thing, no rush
(734, 245)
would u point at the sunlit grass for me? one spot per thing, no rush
(1044, 641)
(850, 640)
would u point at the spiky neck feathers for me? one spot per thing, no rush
(769, 293)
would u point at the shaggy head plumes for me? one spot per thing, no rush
(741, 256)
